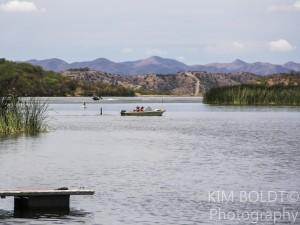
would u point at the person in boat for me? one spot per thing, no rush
(137, 109)
(142, 109)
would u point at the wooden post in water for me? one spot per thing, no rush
(100, 98)
(59, 202)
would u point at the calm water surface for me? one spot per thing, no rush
(155, 170)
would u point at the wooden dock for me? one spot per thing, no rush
(25, 193)
(43, 199)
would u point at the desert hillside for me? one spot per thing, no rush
(185, 83)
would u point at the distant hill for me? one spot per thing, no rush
(292, 66)
(238, 65)
(184, 83)
(50, 64)
(161, 65)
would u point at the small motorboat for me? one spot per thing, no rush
(96, 98)
(147, 112)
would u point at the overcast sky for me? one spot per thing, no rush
(193, 31)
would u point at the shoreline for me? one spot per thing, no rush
(120, 100)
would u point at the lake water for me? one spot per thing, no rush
(158, 170)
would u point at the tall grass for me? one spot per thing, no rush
(254, 95)
(27, 116)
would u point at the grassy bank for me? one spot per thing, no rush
(18, 117)
(254, 95)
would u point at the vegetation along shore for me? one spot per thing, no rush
(254, 95)
(22, 117)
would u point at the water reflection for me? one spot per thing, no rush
(45, 215)
(36, 214)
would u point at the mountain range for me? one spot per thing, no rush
(159, 65)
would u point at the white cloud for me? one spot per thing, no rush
(155, 52)
(238, 45)
(285, 7)
(281, 46)
(127, 51)
(17, 6)
(180, 58)
(297, 5)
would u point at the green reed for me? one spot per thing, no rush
(26, 116)
(254, 95)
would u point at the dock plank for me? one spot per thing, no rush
(27, 193)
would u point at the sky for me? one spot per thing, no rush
(192, 31)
